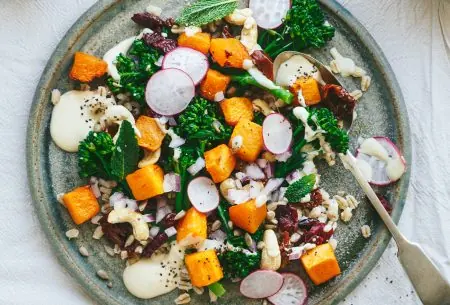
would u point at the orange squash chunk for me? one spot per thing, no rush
(199, 41)
(252, 140)
(213, 83)
(146, 182)
(236, 108)
(81, 204)
(228, 52)
(310, 90)
(203, 268)
(320, 263)
(247, 216)
(192, 228)
(220, 162)
(86, 67)
(151, 135)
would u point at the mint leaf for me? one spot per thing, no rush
(125, 156)
(205, 11)
(300, 188)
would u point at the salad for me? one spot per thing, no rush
(200, 157)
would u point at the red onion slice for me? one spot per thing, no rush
(170, 231)
(254, 172)
(172, 182)
(195, 168)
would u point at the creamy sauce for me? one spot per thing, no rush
(346, 66)
(300, 98)
(372, 147)
(72, 119)
(110, 56)
(302, 114)
(295, 67)
(262, 79)
(151, 277)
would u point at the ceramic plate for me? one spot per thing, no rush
(381, 111)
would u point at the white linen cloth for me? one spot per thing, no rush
(410, 34)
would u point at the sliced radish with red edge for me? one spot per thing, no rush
(277, 133)
(382, 172)
(293, 291)
(169, 91)
(261, 284)
(203, 194)
(269, 14)
(188, 60)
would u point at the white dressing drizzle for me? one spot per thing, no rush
(295, 67)
(110, 56)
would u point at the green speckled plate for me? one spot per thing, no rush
(381, 111)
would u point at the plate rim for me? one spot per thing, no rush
(34, 169)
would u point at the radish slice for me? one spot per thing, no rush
(380, 161)
(277, 133)
(261, 284)
(293, 291)
(203, 194)
(188, 60)
(269, 14)
(169, 92)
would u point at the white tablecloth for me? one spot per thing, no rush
(410, 35)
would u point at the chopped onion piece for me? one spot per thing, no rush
(195, 168)
(170, 231)
(262, 163)
(238, 196)
(172, 182)
(254, 172)
(272, 185)
(284, 156)
(149, 217)
(154, 231)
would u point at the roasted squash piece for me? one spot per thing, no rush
(236, 108)
(220, 162)
(213, 83)
(252, 140)
(228, 52)
(192, 228)
(247, 216)
(203, 268)
(309, 88)
(199, 41)
(151, 134)
(146, 182)
(86, 67)
(81, 204)
(321, 264)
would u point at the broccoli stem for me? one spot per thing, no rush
(247, 80)
(223, 215)
(217, 289)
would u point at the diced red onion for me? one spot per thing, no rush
(284, 156)
(218, 235)
(262, 163)
(93, 182)
(294, 176)
(296, 253)
(272, 185)
(172, 121)
(117, 200)
(170, 231)
(131, 204)
(197, 166)
(172, 182)
(269, 170)
(254, 172)
(149, 218)
(154, 231)
(238, 196)
(255, 189)
(282, 192)
(163, 120)
(176, 142)
(242, 177)
(162, 209)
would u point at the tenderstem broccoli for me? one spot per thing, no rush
(325, 120)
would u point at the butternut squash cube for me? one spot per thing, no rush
(81, 204)
(228, 52)
(203, 268)
(199, 41)
(220, 162)
(192, 228)
(151, 135)
(252, 140)
(247, 216)
(86, 67)
(146, 182)
(213, 83)
(309, 88)
(320, 263)
(237, 108)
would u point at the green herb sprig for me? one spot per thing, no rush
(205, 11)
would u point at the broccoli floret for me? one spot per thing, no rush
(135, 69)
(300, 188)
(304, 26)
(325, 120)
(239, 263)
(246, 79)
(94, 154)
